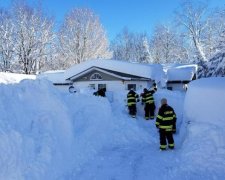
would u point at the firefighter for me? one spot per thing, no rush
(165, 121)
(100, 92)
(132, 98)
(153, 88)
(148, 100)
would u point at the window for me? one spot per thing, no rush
(92, 86)
(96, 76)
(131, 86)
(100, 86)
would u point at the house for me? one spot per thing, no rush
(117, 75)
(179, 75)
(113, 75)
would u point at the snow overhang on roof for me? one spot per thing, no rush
(181, 72)
(136, 69)
(53, 76)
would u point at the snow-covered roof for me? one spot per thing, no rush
(143, 70)
(54, 76)
(178, 72)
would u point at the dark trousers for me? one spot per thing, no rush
(132, 109)
(166, 136)
(174, 127)
(149, 111)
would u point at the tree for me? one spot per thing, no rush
(218, 26)
(167, 46)
(122, 46)
(145, 52)
(82, 37)
(33, 37)
(193, 18)
(131, 46)
(6, 40)
(216, 65)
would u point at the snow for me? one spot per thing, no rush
(143, 70)
(178, 72)
(205, 143)
(216, 65)
(7, 78)
(35, 140)
(47, 134)
(53, 76)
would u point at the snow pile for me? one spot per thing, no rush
(47, 134)
(178, 72)
(14, 78)
(100, 132)
(36, 135)
(203, 95)
(205, 144)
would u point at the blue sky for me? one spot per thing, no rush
(137, 15)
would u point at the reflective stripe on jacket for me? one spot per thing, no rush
(147, 98)
(166, 118)
(131, 98)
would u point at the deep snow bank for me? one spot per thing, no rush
(205, 99)
(46, 134)
(204, 146)
(36, 134)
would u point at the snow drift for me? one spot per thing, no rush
(204, 146)
(48, 134)
(35, 131)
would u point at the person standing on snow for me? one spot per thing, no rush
(132, 98)
(166, 119)
(153, 88)
(148, 100)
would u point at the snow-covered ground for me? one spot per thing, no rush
(48, 134)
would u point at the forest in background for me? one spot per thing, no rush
(30, 43)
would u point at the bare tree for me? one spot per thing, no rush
(131, 46)
(167, 46)
(6, 40)
(33, 37)
(145, 55)
(82, 37)
(123, 45)
(193, 18)
(216, 44)
(218, 30)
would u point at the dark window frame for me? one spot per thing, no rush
(101, 86)
(132, 86)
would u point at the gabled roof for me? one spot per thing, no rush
(116, 74)
(120, 68)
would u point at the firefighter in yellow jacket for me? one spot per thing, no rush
(132, 98)
(148, 100)
(166, 122)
